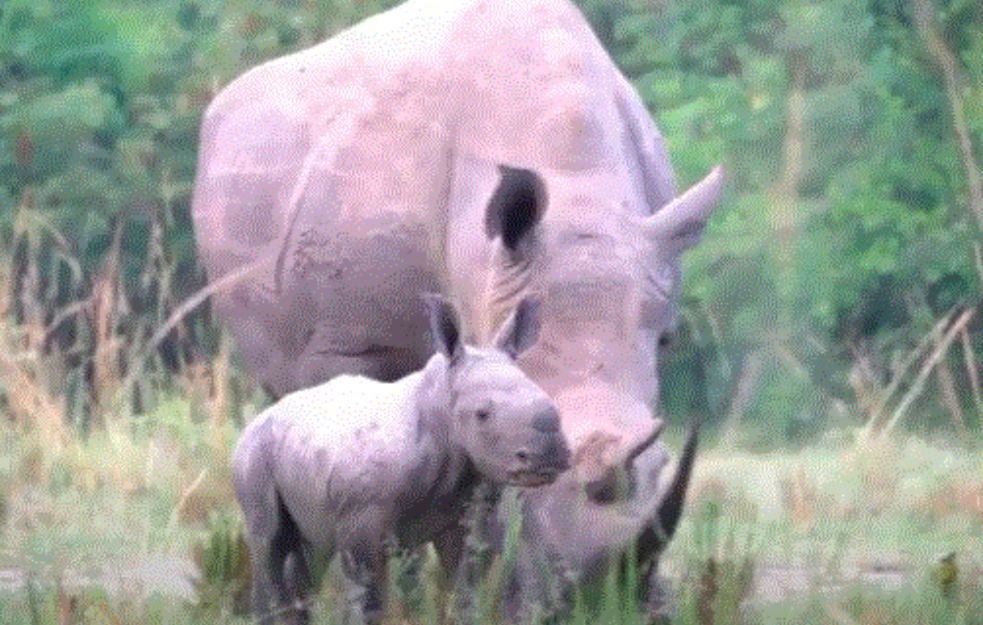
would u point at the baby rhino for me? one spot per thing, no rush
(354, 465)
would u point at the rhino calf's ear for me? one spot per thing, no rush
(444, 326)
(516, 206)
(521, 330)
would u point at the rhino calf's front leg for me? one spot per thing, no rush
(466, 552)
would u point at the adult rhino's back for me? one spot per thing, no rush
(324, 168)
(354, 175)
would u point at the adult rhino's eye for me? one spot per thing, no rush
(665, 339)
(483, 414)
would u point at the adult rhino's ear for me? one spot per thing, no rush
(516, 206)
(521, 330)
(444, 326)
(679, 225)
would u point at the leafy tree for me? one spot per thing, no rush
(845, 232)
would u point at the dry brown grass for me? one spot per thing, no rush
(78, 345)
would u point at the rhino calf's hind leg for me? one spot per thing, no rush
(262, 583)
(365, 571)
(290, 573)
(297, 577)
(273, 539)
(261, 510)
(281, 581)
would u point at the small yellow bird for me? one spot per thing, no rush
(945, 573)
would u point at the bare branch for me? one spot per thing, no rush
(899, 376)
(919, 384)
(974, 375)
(226, 282)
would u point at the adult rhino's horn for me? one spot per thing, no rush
(657, 534)
(679, 224)
(605, 488)
(645, 444)
(671, 507)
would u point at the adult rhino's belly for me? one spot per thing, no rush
(345, 301)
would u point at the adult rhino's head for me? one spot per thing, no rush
(504, 422)
(607, 274)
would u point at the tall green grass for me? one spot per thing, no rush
(841, 535)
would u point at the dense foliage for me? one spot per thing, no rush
(850, 130)
(848, 230)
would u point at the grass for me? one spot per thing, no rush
(841, 533)
(81, 517)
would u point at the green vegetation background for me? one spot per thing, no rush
(836, 289)
(850, 130)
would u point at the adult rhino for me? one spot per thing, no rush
(483, 149)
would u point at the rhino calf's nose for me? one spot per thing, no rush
(558, 455)
(551, 454)
(547, 423)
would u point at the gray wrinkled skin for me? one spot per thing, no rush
(488, 150)
(354, 465)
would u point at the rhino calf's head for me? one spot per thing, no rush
(506, 424)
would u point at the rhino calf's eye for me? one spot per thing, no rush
(483, 415)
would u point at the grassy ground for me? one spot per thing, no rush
(138, 525)
(844, 532)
